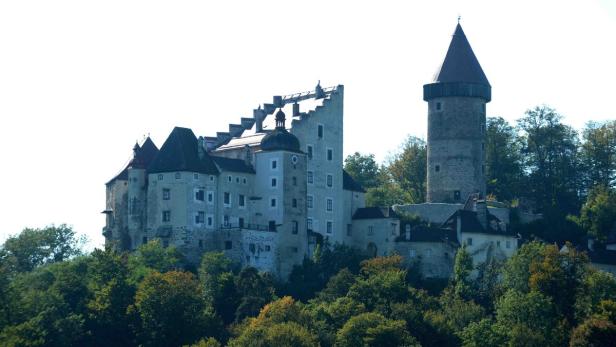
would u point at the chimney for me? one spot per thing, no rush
(277, 101)
(201, 147)
(259, 116)
(295, 109)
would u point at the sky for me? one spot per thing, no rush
(81, 81)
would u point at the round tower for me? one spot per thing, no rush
(456, 125)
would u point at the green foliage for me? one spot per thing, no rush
(219, 288)
(482, 334)
(363, 169)
(516, 271)
(462, 268)
(408, 168)
(35, 247)
(153, 257)
(597, 288)
(504, 170)
(171, 310)
(372, 329)
(598, 214)
(598, 152)
(594, 332)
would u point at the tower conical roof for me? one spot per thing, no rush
(460, 64)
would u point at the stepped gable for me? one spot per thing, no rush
(460, 64)
(348, 183)
(180, 152)
(233, 165)
(142, 157)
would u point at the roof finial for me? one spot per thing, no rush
(459, 17)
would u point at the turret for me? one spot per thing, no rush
(457, 100)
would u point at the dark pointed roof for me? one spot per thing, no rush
(142, 157)
(460, 64)
(348, 183)
(280, 139)
(180, 153)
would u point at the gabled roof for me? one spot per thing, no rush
(348, 183)
(423, 233)
(471, 224)
(460, 64)
(374, 213)
(233, 165)
(180, 153)
(142, 157)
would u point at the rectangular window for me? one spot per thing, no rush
(160, 177)
(244, 180)
(370, 230)
(241, 200)
(227, 199)
(166, 216)
(196, 176)
(310, 177)
(330, 227)
(268, 248)
(320, 131)
(178, 175)
(210, 221)
(228, 244)
(330, 180)
(309, 224)
(144, 240)
(330, 204)
(200, 243)
(469, 241)
(274, 182)
(309, 151)
(274, 164)
(166, 194)
(437, 168)
(240, 222)
(273, 202)
(438, 106)
(309, 201)
(294, 180)
(200, 217)
(200, 195)
(508, 244)
(294, 203)
(295, 227)
(456, 195)
(330, 154)
(211, 178)
(210, 198)
(229, 178)
(272, 225)
(237, 180)
(225, 220)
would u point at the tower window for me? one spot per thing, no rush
(160, 177)
(330, 227)
(310, 177)
(330, 181)
(178, 175)
(456, 195)
(330, 154)
(309, 151)
(439, 106)
(196, 176)
(166, 216)
(274, 164)
(274, 182)
(273, 202)
(294, 203)
(437, 168)
(329, 204)
(295, 228)
(227, 198)
(309, 201)
(294, 179)
(320, 131)
(166, 194)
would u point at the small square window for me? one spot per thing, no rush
(437, 168)
(268, 248)
(196, 176)
(330, 154)
(166, 216)
(320, 131)
(456, 195)
(160, 177)
(211, 178)
(228, 244)
(178, 175)
(310, 177)
(166, 194)
(274, 182)
(273, 202)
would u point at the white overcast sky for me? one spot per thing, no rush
(80, 81)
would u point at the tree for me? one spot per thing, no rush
(598, 287)
(462, 268)
(172, 311)
(504, 172)
(363, 169)
(408, 169)
(255, 291)
(598, 214)
(598, 152)
(35, 247)
(151, 257)
(218, 281)
(372, 329)
(288, 334)
(550, 149)
(482, 334)
(594, 332)
(516, 271)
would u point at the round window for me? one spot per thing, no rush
(294, 159)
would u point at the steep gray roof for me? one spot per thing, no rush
(348, 183)
(180, 153)
(374, 213)
(423, 233)
(460, 64)
(233, 165)
(142, 157)
(471, 224)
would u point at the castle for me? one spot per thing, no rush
(271, 187)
